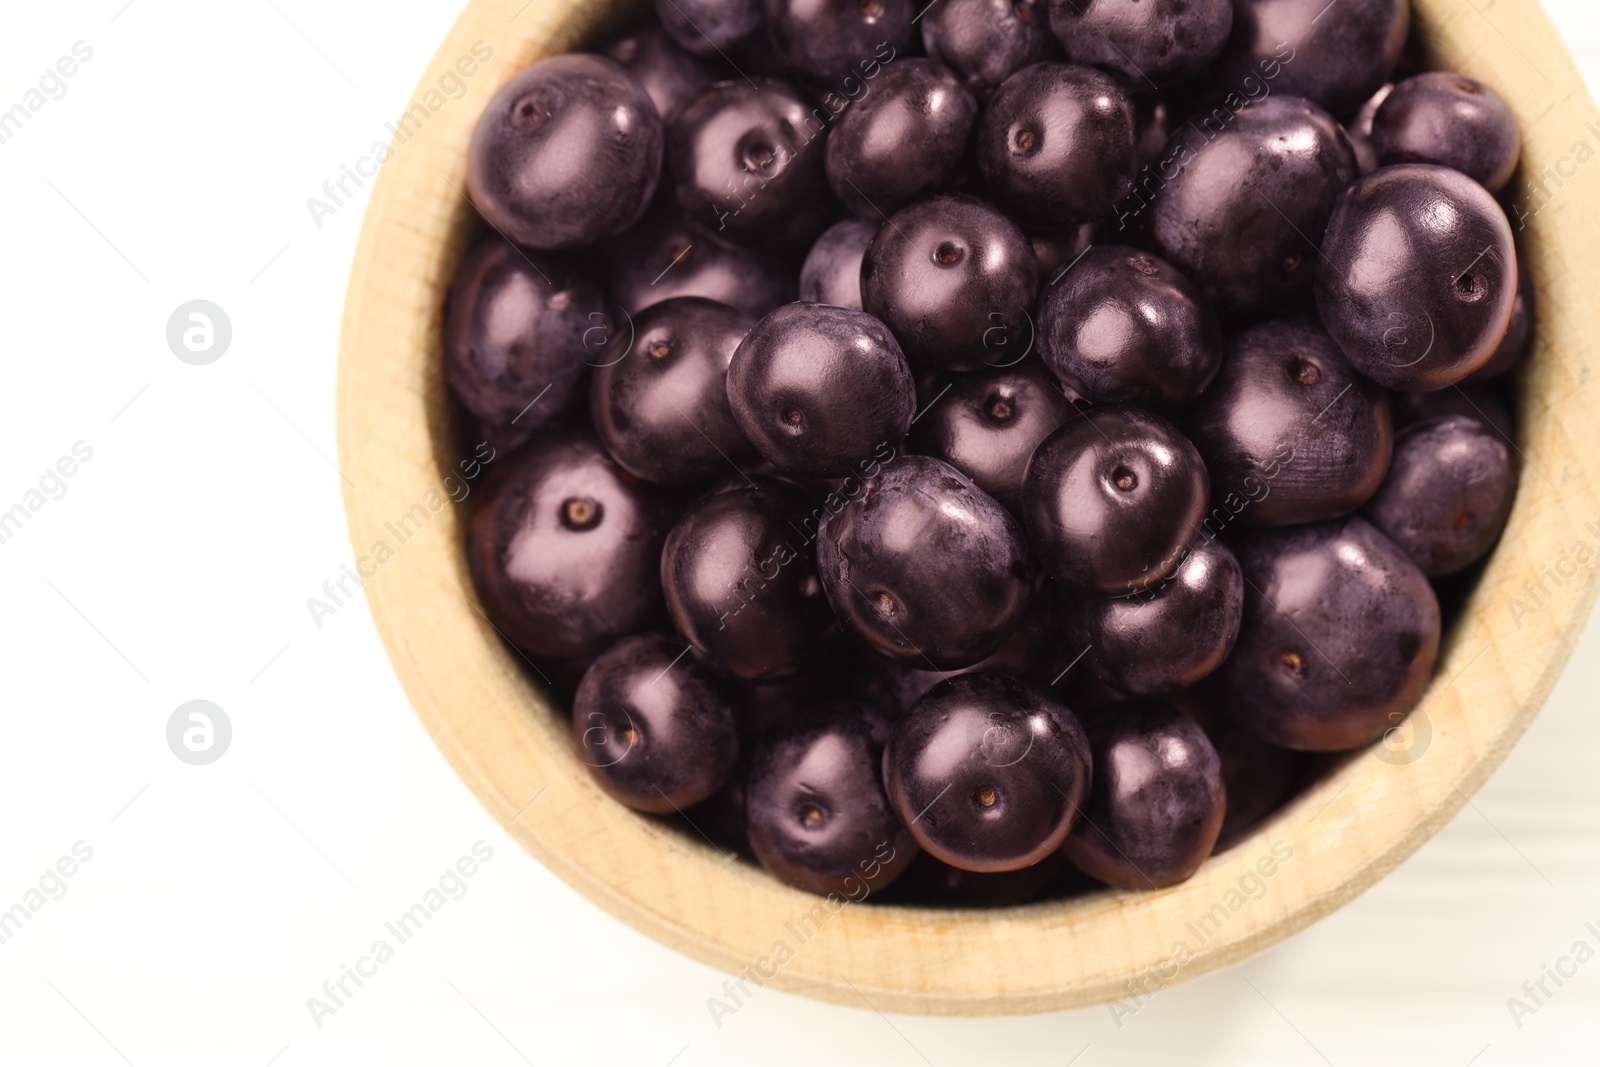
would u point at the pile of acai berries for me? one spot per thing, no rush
(995, 443)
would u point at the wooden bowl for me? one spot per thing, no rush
(1498, 662)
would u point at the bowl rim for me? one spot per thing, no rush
(1496, 666)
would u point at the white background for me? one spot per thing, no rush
(177, 566)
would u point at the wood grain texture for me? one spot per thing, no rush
(1498, 664)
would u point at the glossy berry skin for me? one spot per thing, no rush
(831, 41)
(1145, 43)
(903, 141)
(1340, 636)
(1168, 637)
(670, 76)
(831, 273)
(818, 818)
(989, 422)
(517, 332)
(1448, 493)
(566, 548)
(567, 152)
(1417, 276)
(1124, 327)
(1057, 145)
(658, 733)
(667, 256)
(954, 279)
(1289, 431)
(1519, 332)
(1451, 120)
(820, 389)
(924, 567)
(987, 41)
(709, 27)
(1336, 62)
(747, 166)
(988, 773)
(741, 583)
(660, 404)
(1244, 212)
(1158, 801)
(1112, 500)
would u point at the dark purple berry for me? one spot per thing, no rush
(746, 160)
(1450, 120)
(1258, 776)
(709, 27)
(1156, 118)
(1417, 277)
(740, 580)
(566, 549)
(954, 279)
(519, 335)
(1032, 654)
(1147, 44)
(1448, 493)
(660, 404)
(1157, 804)
(1289, 431)
(1168, 637)
(1340, 635)
(1113, 499)
(1360, 129)
(567, 152)
(819, 389)
(1337, 58)
(903, 141)
(666, 256)
(818, 816)
(832, 270)
(934, 883)
(837, 42)
(1123, 327)
(670, 76)
(1057, 146)
(925, 567)
(1240, 210)
(987, 41)
(987, 424)
(1060, 249)
(988, 773)
(720, 818)
(656, 731)
(1475, 401)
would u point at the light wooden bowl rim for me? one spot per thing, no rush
(1497, 666)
